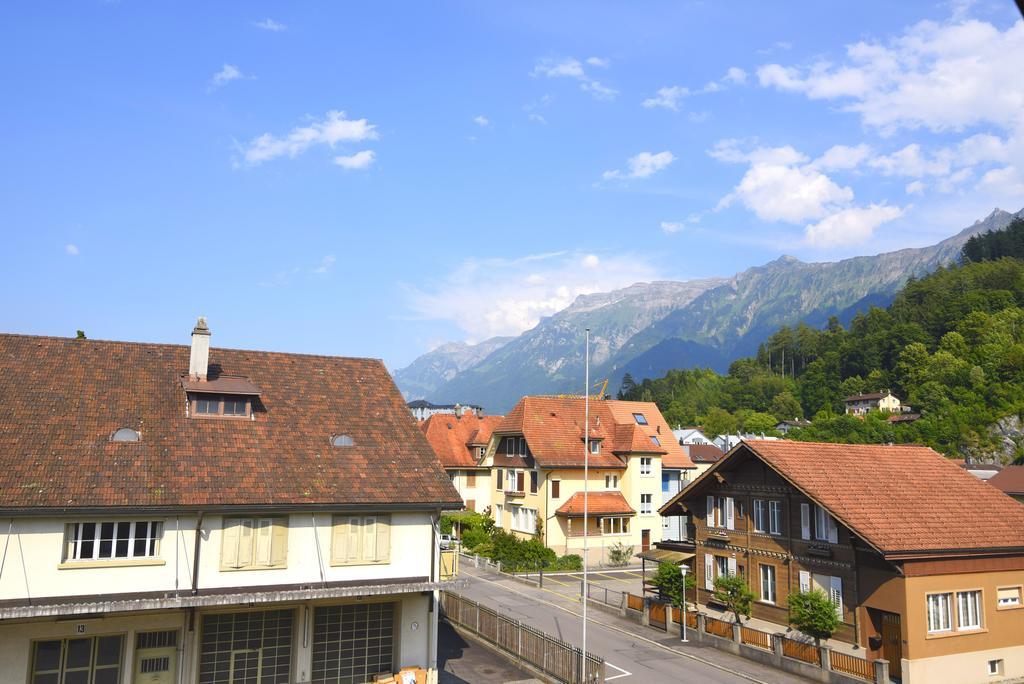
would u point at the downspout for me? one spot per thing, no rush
(195, 570)
(435, 595)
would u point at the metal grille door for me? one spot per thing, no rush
(352, 643)
(247, 648)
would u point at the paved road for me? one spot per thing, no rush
(632, 652)
(462, 661)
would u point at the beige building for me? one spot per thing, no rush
(884, 401)
(536, 460)
(460, 443)
(176, 515)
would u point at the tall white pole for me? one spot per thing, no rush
(586, 489)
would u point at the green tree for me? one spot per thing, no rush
(669, 581)
(758, 423)
(80, 335)
(732, 592)
(814, 614)
(786, 407)
(718, 421)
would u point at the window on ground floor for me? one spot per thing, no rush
(246, 647)
(768, 583)
(614, 525)
(352, 643)
(92, 660)
(1008, 597)
(968, 609)
(940, 612)
(523, 519)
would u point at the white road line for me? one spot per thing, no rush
(618, 676)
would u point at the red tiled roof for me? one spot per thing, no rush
(451, 436)
(553, 427)
(898, 498)
(62, 398)
(703, 453)
(1010, 480)
(598, 503)
(222, 384)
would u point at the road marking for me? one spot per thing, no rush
(564, 584)
(614, 579)
(723, 668)
(618, 676)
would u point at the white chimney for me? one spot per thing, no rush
(200, 358)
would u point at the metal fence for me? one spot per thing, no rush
(557, 659)
(601, 593)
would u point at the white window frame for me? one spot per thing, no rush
(938, 606)
(595, 447)
(969, 613)
(1003, 603)
(74, 538)
(614, 525)
(646, 466)
(774, 517)
(759, 517)
(611, 481)
(767, 575)
(646, 504)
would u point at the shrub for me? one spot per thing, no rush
(619, 554)
(669, 581)
(733, 593)
(570, 562)
(814, 614)
(473, 537)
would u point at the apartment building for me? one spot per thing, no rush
(923, 561)
(536, 457)
(460, 443)
(174, 514)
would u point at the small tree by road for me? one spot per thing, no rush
(669, 581)
(814, 614)
(732, 592)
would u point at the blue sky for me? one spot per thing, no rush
(373, 179)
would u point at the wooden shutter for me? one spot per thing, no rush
(805, 581)
(383, 539)
(69, 541)
(805, 521)
(711, 511)
(229, 542)
(520, 481)
(352, 542)
(555, 489)
(732, 566)
(264, 535)
(833, 531)
(709, 570)
(368, 530)
(730, 513)
(339, 539)
(279, 542)
(471, 478)
(836, 594)
(497, 480)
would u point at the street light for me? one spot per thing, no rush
(683, 569)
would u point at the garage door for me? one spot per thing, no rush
(247, 648)
(352, 643)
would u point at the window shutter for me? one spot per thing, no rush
(369, 532)
(711, 511)
(732, 567)
(383, 539)
(264, 534)
(709, 570)
(69, 541)
(279, 542)
(730, 513)
(229, 542)
(339, 539)
(805, 581)
(520, 481)
(836, 594)
(352, 545)
(833, 530)
(805, 521)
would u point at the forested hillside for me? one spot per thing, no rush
(951, 345)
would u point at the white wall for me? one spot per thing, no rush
(35, 547)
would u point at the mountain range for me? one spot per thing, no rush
(648, 328)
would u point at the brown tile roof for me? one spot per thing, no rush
(1010, 479)
(60, 400)
(898, 498)
(703, 453)
(451, 436)
(866, 397)
(221, 384)
(598, 503)
(553, 427)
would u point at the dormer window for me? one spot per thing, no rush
(125, 435)
(227, 396)
(226, 405)
(595, 447)
(342, 441)
(640, 419)
(655, 441)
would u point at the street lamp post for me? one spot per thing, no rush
(683, 569)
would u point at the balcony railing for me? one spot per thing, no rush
(515, 492)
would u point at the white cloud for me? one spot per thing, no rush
(325, 264)
(359, 160)
(602, 62)
(781, 192)
(270, 25)
(71, 249)
(507, 302)
(643, 165)
(573, 68)
(667, 97)
(915, 188)
(843, 157)
(670, 227)
(1006, 180)
(910, 162)
(481, 121)
(699, 117)
(940, 76)
(334, 128)
(736, 75)
(228, 73)
(850, 226)
(537, 118)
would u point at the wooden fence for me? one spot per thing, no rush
(656, 615)
(634, 602)
(755, 637)
(858, 667)
(557, 659)
(718, 627)
(801, 651)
